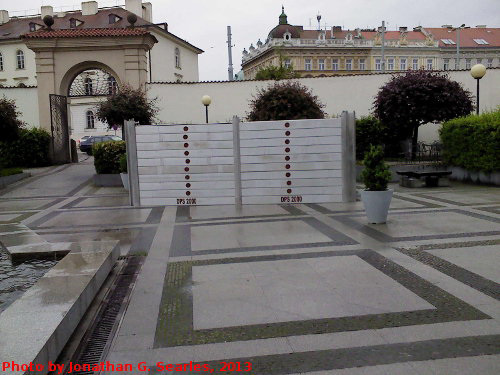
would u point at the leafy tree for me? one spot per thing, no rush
(127, 104)
(9, 122)
(419, 97)
(285, 101)
(277, 72)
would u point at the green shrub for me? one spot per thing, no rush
(123, 163)
(370, 131)
(30, 149)
(376, 174)
(10, 171)
(285, 101)
(107, 156)
(472, 142)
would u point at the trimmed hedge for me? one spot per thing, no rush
(107, 156)
(472, 142)
(29, 150)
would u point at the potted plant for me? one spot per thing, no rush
(376, 196)
(123, 171)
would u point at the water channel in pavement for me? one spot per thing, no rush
(16, 278)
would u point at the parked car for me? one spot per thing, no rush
(86, 145)
(83, 139)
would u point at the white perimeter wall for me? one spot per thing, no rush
(181, 103)
(26, 101)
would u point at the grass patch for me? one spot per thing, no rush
(10, 171)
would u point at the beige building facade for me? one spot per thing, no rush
(170, 58)
(319, 53)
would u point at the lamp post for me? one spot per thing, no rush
(206, 100)
(478, 71)
(457, 59)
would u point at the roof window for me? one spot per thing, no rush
(480, 41)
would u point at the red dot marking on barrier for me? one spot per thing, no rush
(186, 153)
(186, 145)
(187, 177)
(289, 191)
(287, 166)
(188, 161)
(287, 149)
(289, 183)
(188, 185)
(287, 133)
(287, 141)
(186, 128)
(287, 125)
(188, 193)
(288, 174)
(287, 158)
(185, 136)
(186, 169)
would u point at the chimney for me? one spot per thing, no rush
(4, 16)
(89, 8)
(147, 12)
(134, 6)
(46, 10)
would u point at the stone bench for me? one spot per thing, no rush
(37, 326)
(413, 179)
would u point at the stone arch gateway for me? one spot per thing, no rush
(63, 54)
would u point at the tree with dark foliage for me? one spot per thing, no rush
(420, 97)
(285, 101)
(127, 104)
(9, 122)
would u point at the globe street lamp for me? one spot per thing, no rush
(206, 100)
(478, 71)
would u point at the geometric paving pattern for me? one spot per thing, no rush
(176, 327)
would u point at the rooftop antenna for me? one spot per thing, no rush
(318, 17)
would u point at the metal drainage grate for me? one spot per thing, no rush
(96, 344)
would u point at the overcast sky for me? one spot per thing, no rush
(203, 23)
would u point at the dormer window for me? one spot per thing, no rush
(287, 36)
(34, 26)
(321, 36)
(74, 23)
(113, 18)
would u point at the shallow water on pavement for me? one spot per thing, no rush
(15, 279)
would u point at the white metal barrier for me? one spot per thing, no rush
(271, 162)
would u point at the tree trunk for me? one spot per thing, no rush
(414, 141)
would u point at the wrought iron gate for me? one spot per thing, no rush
(60, 129)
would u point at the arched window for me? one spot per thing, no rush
(112, 85)
(1, 62)
(20, 59)
(90, 121)
(88, 86)
(177, 58)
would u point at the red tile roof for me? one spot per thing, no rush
(389, 35)
(82, 33)
(467, 36)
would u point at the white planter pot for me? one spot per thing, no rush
(124, 177)
(376, 205)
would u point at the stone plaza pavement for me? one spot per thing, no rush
(308, 288)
